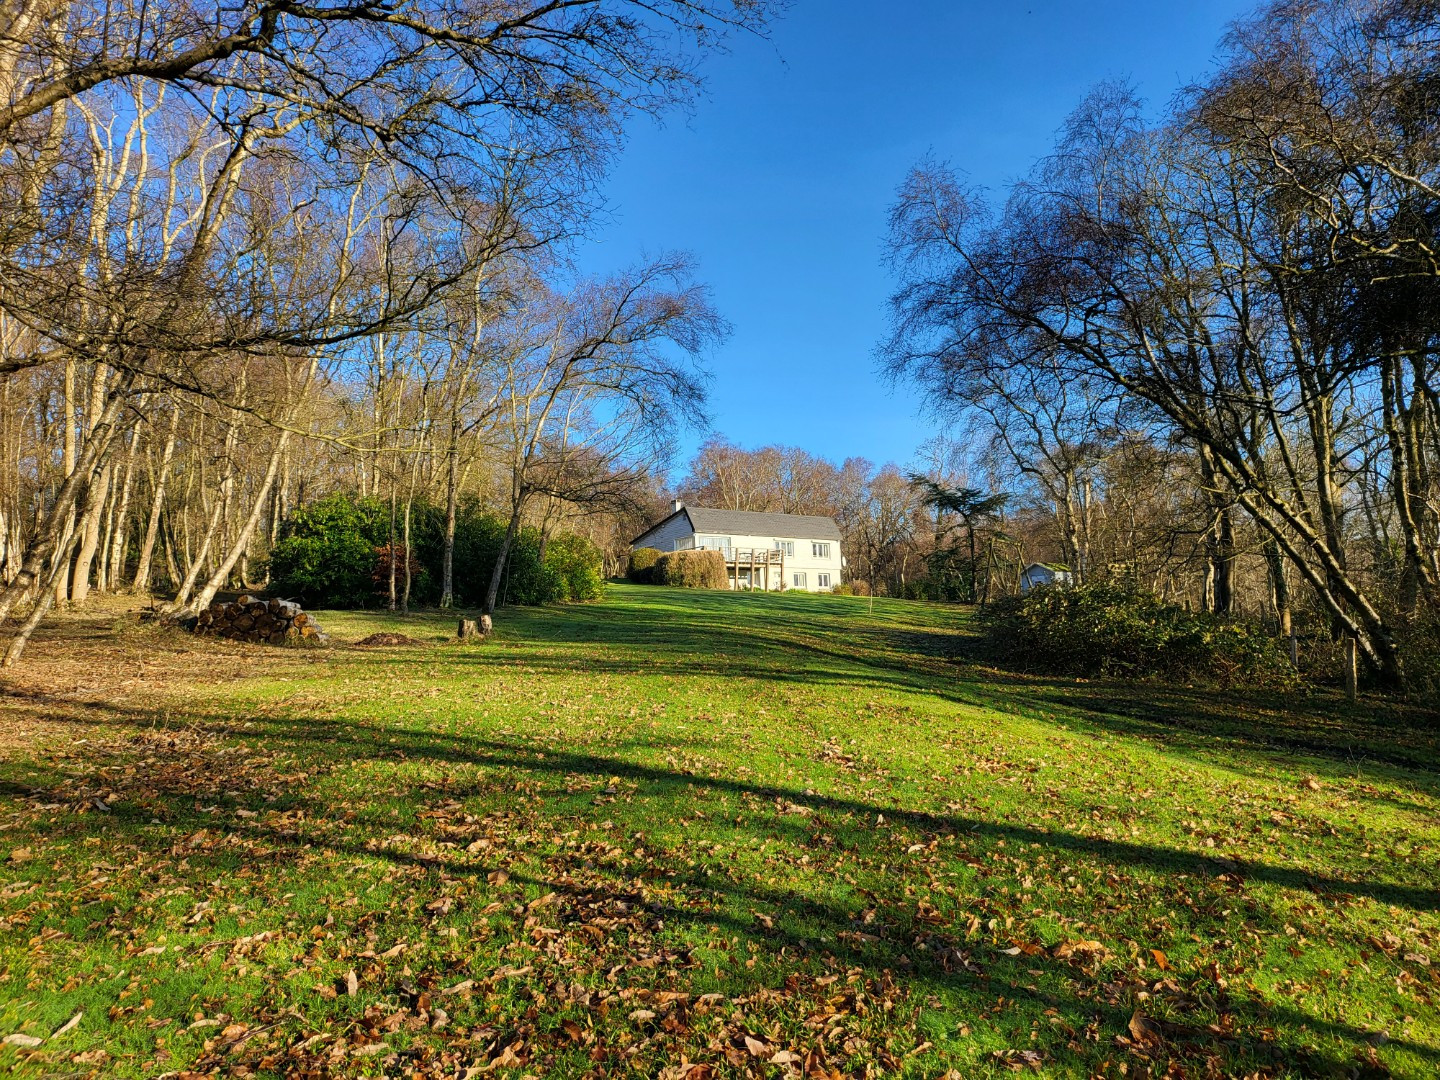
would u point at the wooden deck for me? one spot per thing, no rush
(757, 565)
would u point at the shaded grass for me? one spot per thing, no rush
(877, 855)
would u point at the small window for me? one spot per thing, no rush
(822, 581)
(786, 548)
(820, 551)
(799, 581)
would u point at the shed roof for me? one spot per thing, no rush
(750, 523)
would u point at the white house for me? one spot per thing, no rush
(1037, 574)
(762, 551)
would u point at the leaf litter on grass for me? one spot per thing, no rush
(650, 872)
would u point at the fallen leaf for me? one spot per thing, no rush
(69, 1026)
(1143, 1030)
(27, 1041)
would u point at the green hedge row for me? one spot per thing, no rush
(691, 570)
(1109, 630)
(642, 565)
(681, 569)
(334, 554)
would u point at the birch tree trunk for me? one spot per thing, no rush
(217, 580)
(75, 488)
(90, 537)
(492, 592)
(157, 506)
(182, 596)
(447, 560)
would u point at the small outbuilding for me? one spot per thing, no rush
(1038, 574)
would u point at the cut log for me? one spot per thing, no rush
(259, 622)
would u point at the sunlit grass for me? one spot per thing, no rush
(766, 833)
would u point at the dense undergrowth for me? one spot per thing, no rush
(1109, 630)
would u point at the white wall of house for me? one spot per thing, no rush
(669, 534)
(810, 565)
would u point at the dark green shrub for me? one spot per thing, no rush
(1110, 630)
(579, 565)
(335, 553)
(642, 565)
(691, 570)
(478, 538)
(327, 552)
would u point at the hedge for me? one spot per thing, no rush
(691, 570)
(642, 565)
(334, 553)
(1110, 630)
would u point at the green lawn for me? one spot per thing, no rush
(699, 834)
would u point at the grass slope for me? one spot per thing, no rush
(698, 835)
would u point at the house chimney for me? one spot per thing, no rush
(678, 506)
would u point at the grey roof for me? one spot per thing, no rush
(750, 523)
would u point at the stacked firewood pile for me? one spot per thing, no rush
(272, 622)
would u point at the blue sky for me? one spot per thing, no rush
(779, 180)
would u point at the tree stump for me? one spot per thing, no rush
(470, 629)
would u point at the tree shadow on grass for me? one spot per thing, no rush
(804, 652)
(928, 956)
(350, 740)
(778, 645)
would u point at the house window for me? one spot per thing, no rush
(713, 543)
(822, 581)
(786, 548)
(820, 551)
(799, 581)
